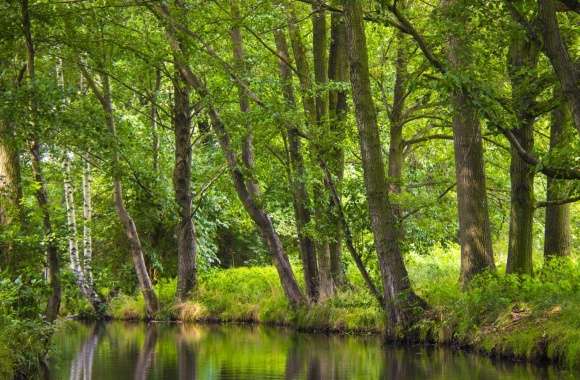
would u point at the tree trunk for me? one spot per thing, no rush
(300, 199)
(154, 123)
(186, 247)
(557, 236)
(555, 49)
(244, 99)
(41, 194)
(401, 302)
(523, 59)
(85, 286)
(104, 97)
(309, 259)
(87, 220)
(77, 261)
(337, 72)
(250, 202)
(258, 214)
(474, 229)
(396, 131)
(321, 101)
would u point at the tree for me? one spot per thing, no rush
(474, 228)
(400, 300)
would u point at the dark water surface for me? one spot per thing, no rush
(121, 350)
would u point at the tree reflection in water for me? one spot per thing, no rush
(160, 351)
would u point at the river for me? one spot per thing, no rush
(120, 350)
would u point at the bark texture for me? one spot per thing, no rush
(557, 234)
(522, 62)
(396, 144)
(474, 229)
(554, 47)
(307, 91)
(84, 284)
(337, 72)
(320, 133)
(400, 300)
(186, 246)
(300, 198)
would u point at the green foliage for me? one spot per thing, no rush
(24, 335)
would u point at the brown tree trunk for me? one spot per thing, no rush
(474, 229)
(250, 202)
(186, 246)
(244, 99)
(401, 302)
(258, 214)
(41, 194)
(557, 236)
(154, 122)
(555, 49)
(300, 199)
(321, 102)
(309, 259)
(523, 59)
(337, 72)
(145, 285)
(396, 130)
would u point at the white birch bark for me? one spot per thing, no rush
(73, 248)
(87, 217)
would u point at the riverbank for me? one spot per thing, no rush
(521, 318)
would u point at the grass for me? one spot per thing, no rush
(522, 317)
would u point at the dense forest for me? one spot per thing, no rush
(407, 167)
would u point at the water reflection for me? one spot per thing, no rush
(183, 351)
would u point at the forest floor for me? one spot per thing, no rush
(522, 318)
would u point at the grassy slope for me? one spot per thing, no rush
(525, 318)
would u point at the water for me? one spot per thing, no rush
(157, 351)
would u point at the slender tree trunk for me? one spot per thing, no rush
(77, 261)
(244, 99)
(523, 59)
(250, 202)
(154, 123)
(563, 65)
(105, 98)
(321, 133)
(41, 193)
(401, 302)
(300, 199)
(85, 286)
(396, 130)
(87, 220)
(309, 257)
(258, 214)
(557, 236)
(337, 72)
(474, 229)
(186, 247)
